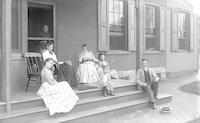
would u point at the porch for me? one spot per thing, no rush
(26, 106)
(74, 22)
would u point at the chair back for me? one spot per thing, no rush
(34, 62)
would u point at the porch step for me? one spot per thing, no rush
(84, 94)
(115, 110)
(2, 107)
(127, 86)
(85, 104)
(91, 106)
(40, 114)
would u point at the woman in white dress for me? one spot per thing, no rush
(58, 97)
(87, 70)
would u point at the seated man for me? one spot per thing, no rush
(147, 79)
(64, 70)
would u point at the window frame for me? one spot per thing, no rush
(103, 28)
(187, 14)
(175, 48)
(124, 32)
(53, 4)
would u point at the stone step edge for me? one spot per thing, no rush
(78, 92)
(43, 108)
(102, 110)
(117, 95)
(97, 89)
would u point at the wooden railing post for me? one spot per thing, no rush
(7, 50)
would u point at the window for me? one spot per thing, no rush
(40, 26)
(182, 31)
(183, 34)
(152, 28)
(117, 25)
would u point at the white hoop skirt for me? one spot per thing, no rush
(58, 98)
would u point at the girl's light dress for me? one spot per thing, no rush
(58, 97)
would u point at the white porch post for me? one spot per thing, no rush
(7, 50)
(140, 31)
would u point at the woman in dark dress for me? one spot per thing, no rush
(64, 70)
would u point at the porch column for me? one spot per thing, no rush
(140, 31)
(7, 51)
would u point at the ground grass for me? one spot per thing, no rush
(193, 87)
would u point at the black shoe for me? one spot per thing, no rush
(104, 91)
(153, 105)
(111, 94)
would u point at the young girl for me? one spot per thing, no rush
(58, 97)
(106, 82)
(105, 78)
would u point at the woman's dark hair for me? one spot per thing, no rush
(49, 43)
(84, 45)
(144, 59)
(100, 54)
(47, 60)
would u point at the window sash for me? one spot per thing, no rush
(118, 29)
(116, 15)
(152, 28)
(104, 25)
(183, 31)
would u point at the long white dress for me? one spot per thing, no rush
(87, 70)
(58, 97)
(105, 79)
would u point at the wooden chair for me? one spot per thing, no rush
(34, 67)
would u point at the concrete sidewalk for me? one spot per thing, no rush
(185, 106)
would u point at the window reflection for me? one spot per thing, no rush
(150, 20)
(116, 17)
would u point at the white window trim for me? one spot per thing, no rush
(118, 52)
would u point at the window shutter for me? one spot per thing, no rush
(131, 26)
(103, 25)
(175, 38)
(162, 29)
(192, 44)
